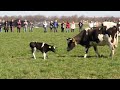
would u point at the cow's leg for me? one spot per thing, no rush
(86, 51)
(96, 51)
(111, 46)
(112, 50)
(44, 55)
(33, 52)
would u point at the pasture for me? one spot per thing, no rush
(16, 60)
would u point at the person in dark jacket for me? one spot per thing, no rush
(80, 24)
(62, 26)
(11, 25)
(51, 25)
(6, 26)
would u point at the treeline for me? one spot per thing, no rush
(75, 18)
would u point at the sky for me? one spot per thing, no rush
(62, 13)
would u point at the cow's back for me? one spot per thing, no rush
(32, 44)
(82, 37)
(36, 44)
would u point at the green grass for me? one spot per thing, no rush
(16, 60)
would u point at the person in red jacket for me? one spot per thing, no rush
(18, 25)
(67, 26)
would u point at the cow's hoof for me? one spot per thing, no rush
(101, 55)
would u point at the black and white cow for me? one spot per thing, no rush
(95, 37)
(43, 47)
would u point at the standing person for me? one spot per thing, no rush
(67, 26)
(25, 25)
(11, 25)
(0, 26)
(31, 27)
(62, 26)
(91, 24)
(18, 26)
(6, 26)
(80, 24)
(45, 26)
(2, 23)
(51, 26)
(55, 26)
(72, 26)
(95, 24)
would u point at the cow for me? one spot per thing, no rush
(109, 24)
(41, 46)
(95, 37)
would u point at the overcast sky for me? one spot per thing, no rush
(62, 13)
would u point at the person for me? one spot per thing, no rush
(67, 26)
(72, 26)
(18, 25)
(0, 25)
(51, 26)
(25, 25)
(31, 27)
(11, 25)
(91, 24)
(6, 26)
(45, 26)
(55, 26)
(80, 24)
(95, 24)
(62, 26)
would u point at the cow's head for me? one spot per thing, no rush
(52, 48)
(71, 43)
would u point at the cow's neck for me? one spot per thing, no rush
(77, 38)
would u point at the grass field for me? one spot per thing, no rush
(16, 60)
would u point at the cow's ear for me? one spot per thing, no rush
(73, 40)
(49, 46)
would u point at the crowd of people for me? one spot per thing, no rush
(64, 26)
(52, 26)
(9, 25)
